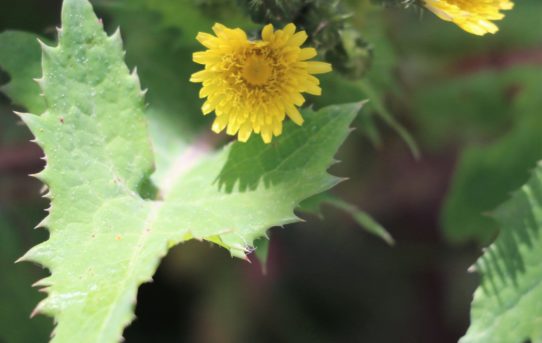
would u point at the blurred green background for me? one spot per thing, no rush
(472, 105)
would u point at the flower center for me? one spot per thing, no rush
(256, 70)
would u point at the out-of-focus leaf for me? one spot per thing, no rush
(378, 82)
(487, 174)
(20, 58)
(507, 307)
(364, 220)
(388, 118)
(16, 295)
(469, 108)
(337, 88)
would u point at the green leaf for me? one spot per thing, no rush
(189, 17)
(380, 81)
(389, 119)
(107, 235)
(19, 57)
(174, 116)
(486, 174)
(477, 121)
(507, 308)
(449, 41)
(364, 220)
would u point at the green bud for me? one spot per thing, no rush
(352, 56)
(326, 23)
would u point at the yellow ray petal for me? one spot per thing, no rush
(318, 67)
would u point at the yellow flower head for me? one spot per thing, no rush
(252, 85)
(474, 16)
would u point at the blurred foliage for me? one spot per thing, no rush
(18, 214)
(17, 296)
(487, 174)
(20, 58)
(490, 88)
(313, 206)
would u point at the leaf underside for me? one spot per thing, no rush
(107, 231)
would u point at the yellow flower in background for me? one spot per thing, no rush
(474, 16)
(252, 85)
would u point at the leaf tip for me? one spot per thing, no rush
(25, 258)
(43, 223)
(45, 282)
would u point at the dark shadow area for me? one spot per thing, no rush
(164, 308)
(40, 16)
(324, 284)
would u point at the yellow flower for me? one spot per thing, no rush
(252, 85)
(474, 16)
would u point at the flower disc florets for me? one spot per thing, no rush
(474, 16)
(252, 85)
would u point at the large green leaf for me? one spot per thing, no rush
(174, 116)
(507, 307)
(107, 235)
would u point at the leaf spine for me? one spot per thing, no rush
(43, 223)
(46, 49)
(116, 38)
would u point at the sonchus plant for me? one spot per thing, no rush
(108, 225)
(107, 232)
